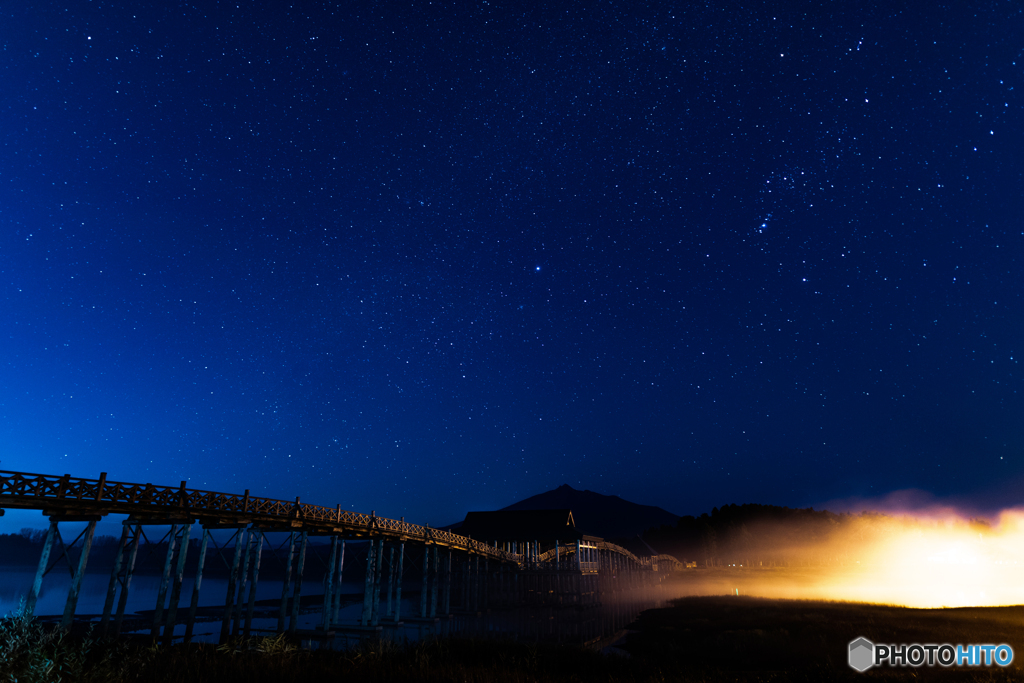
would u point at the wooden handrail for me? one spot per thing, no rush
(100, 496)
(27, 490)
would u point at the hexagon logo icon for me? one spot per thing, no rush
(862, 654)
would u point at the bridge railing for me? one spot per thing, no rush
(669, 560)
(605, 545)
(99, 496)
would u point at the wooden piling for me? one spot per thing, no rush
(76, 580)
(446, 589)
(243, 577)
(126, 584)
(108, 604)
(44, 560)
(229, 600)
(398, 583)
(367, 614)
(433, 585)
(255, 580)
(165, 578)
(336, 602)
(486, 596)
(424, 590)
(179, 575)
(297, 593)
(286, 583)
(379, 565)
(476, 582)
(194, 604)
(325, 615)
(390, 579)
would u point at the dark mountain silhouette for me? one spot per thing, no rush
(599, 515)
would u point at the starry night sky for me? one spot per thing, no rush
(423, 258)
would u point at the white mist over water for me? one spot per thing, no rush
(926, 561)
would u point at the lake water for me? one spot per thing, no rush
(554, 624)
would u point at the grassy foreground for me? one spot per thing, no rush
(754, 639)
(696, 639)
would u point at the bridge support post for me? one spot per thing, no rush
(464, 584)
(336, 602)
(444, 569)
(194, 604)
(398, 583)
(229, 600)
(487, 584)
(390, 580)
(325, 617)
(286, 583)
(243, 576)
(476, 584)
(368, 584)
(481, 578)
(377, 570)
(255, 580)
(165, 578)
(433, 585)
(76, 581)
(179, 575)
(128, 573)
(424, 590)
(297, 593)
(44, 559)
(446, 603)
(108, 604)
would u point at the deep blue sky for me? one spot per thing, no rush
(422, 258)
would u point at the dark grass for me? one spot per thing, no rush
(756, 639)
(706, 639)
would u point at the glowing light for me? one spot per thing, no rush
(949, 562)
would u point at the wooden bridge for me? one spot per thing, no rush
(512, 574)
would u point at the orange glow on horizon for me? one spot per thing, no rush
(910, 561)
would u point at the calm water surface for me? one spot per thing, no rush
(546, 624)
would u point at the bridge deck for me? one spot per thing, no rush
(70, 498)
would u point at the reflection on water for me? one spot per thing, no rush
(554, 624)
(15, 584)
(543, 624)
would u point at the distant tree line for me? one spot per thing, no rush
(22, 549)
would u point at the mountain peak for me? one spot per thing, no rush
(597, 514)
